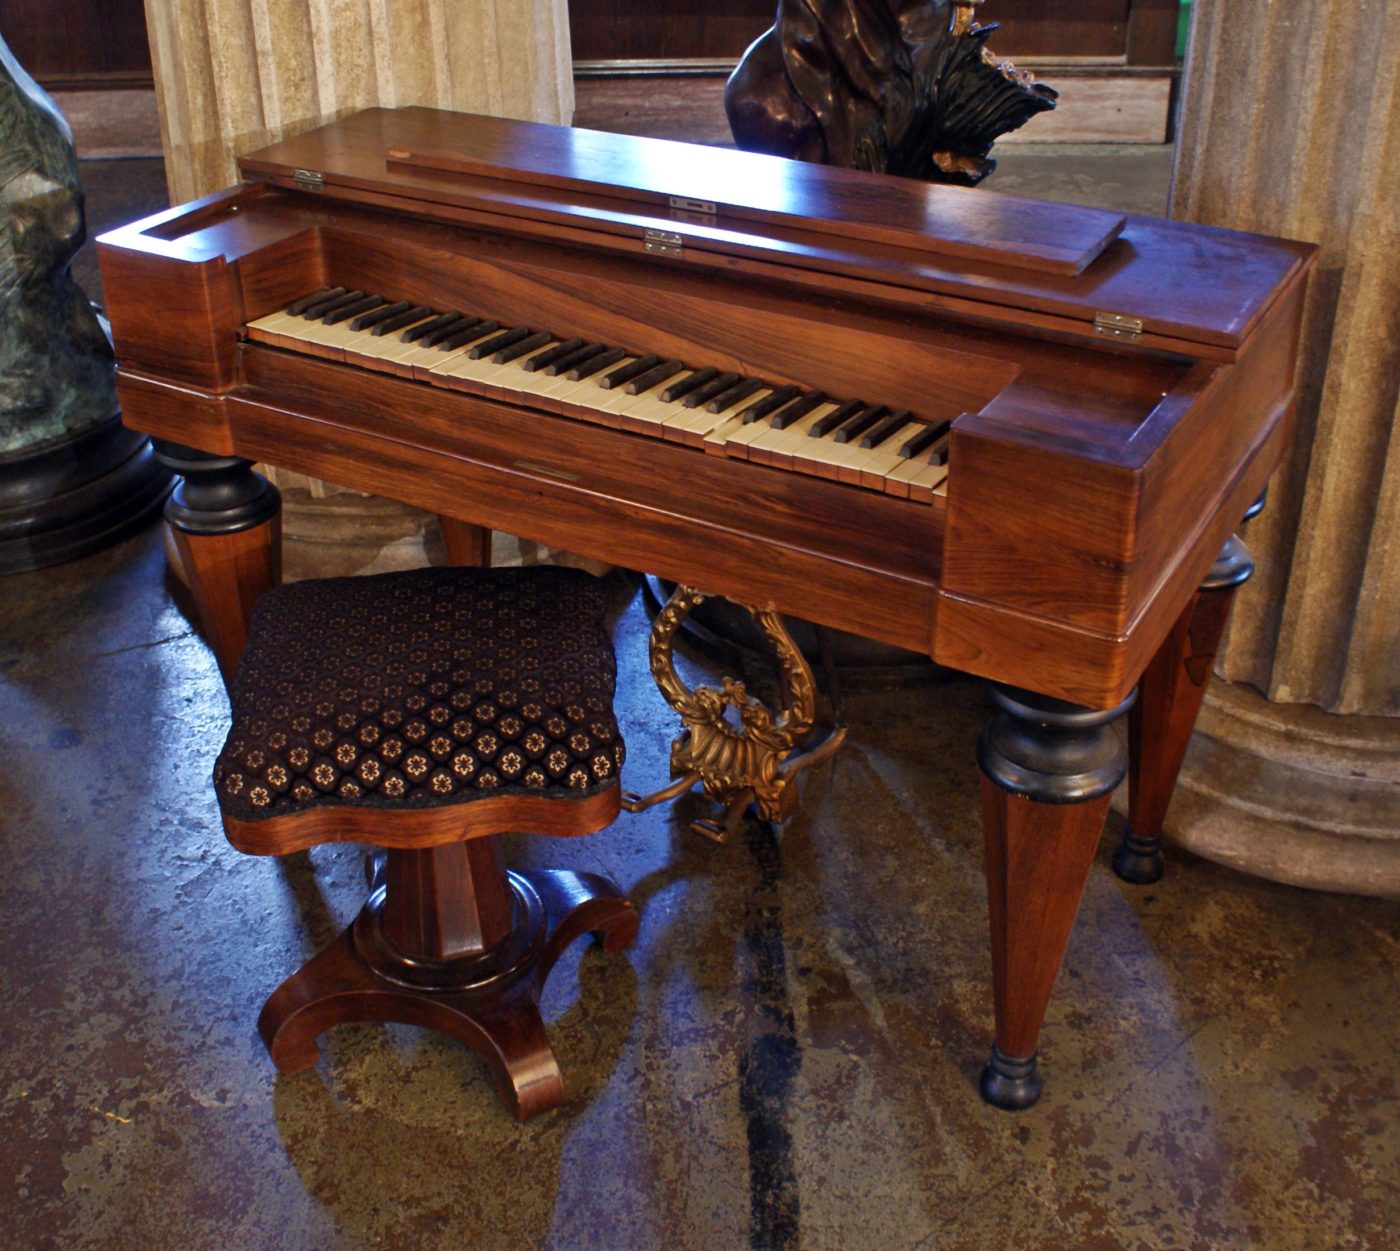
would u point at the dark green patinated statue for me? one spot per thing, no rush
(72, 479)
(56, 365)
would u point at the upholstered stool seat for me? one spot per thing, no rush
(427, 712)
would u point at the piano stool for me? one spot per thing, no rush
(427, 712)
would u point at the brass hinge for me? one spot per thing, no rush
(1118, 326)
(308, 180)
(664, 243)
(684, 204)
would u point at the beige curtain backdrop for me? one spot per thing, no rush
(1291, 126)
(235, 75)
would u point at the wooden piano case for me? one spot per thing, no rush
(1120, 391)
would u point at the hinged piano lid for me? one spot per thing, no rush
(1008, 251)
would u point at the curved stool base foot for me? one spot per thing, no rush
(497, 1017)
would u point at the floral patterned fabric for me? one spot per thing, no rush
(434, 686)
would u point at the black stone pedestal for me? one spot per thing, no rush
(72, 496)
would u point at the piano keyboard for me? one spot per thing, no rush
(806, 431)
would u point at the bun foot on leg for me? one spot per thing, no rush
(1139, 860)
(1010, 1084)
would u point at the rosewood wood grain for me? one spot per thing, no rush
(1205, 284)
(467, 545)
(425, 827)
(723, 324)
(447, 901)
(226, 525)
(738, 186)
(486, 995)
(1086, 667)
(1169, 699)
(1048, 770)
(227, 574)
(448, 939)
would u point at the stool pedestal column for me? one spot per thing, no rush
(451, 940)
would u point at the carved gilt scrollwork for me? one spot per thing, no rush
(751, 759)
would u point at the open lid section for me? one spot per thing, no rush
(439, 150)
(1171, 285)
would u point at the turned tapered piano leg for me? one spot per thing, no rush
(1169, 697)
(226, 523)
(1048, 770)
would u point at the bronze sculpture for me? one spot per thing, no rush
(71, 478)
(895, 86)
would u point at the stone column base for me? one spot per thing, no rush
(1291, 793)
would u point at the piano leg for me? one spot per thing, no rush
(1048, 769)
(467, 545)
(226, 524)
(1169, 698)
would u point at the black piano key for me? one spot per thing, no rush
(926, 437)
(880, 432)
(654, 377)
(346, 311)
(521, 346)
(297, 307)
(589, 367)
(684, 386)
(365, 320)
(409, 317)
(440, 322)
(736, 394)
(565, 363)
(314, 312)
(771, 402)
(800, 407)
(620, 377)
(938, 454)
(460, 338)
(463, 321)
(560, 350)
(862, 422)
(704, 394)
(498, 341)
(844, 412)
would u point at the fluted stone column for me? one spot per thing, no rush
(1291, 126)
(235, 75)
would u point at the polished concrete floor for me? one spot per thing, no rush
(786, 1059)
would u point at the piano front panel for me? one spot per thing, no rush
(858, 559)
